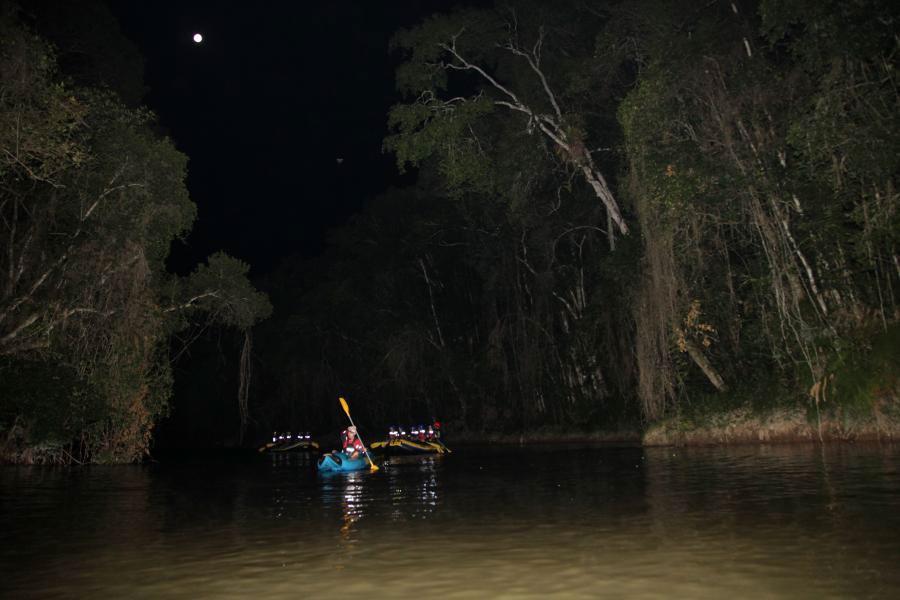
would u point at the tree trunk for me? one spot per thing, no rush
(700, 359)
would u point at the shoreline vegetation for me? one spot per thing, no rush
(779, 426)
(738, 427)
(673, 222)
(741, 426)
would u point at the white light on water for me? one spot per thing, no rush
(198, 38)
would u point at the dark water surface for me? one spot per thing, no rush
(743, 522)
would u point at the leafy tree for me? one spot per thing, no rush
(90, 200)
(525, 61)
(731, 135)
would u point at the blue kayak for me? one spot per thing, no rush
(337, 462)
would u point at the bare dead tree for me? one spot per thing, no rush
(553, 125)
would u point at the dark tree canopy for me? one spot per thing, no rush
(91, 199)
(745, 255)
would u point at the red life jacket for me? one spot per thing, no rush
(354, 445)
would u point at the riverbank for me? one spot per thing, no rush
(739, 426)
(625, 437)
(778, 426)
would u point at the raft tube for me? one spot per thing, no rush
(300, 445)
(402, 446)
(287, 446)
(337, 462)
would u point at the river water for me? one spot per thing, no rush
(788, 521)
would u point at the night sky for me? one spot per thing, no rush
(265, 107)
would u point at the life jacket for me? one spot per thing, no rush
(348, 445)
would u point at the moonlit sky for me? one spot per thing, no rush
(265, 106)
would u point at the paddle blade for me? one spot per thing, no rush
(344, 406)
(372, 465)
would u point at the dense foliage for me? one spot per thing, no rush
(90, 201)
(623, 209)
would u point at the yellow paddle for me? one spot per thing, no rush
(347, 410)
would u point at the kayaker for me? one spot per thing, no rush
(351, 444)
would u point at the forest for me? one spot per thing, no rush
(616, 217)
(624, 212)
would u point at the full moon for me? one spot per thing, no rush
(198, 38)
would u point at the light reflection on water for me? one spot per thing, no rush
(744, 522)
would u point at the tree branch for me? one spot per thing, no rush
(550, 126)
(191, 302)
(534, 60)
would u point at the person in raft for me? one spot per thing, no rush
(351, 445)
